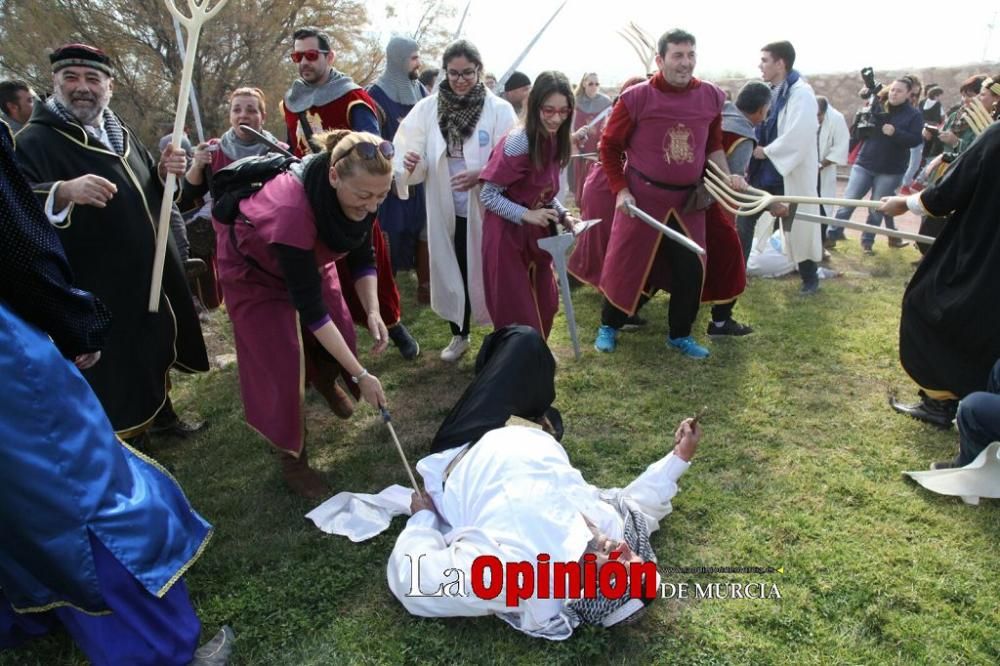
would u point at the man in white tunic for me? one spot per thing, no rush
(510, 493)
(834, 140)
(786, 158)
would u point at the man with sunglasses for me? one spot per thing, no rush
(322, 99)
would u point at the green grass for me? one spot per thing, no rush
(800, 468)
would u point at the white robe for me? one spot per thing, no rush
(513, 496)
(419, 132)
(795, 156)
(834, 142)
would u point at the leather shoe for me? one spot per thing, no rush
(938, 413)
(176, 427)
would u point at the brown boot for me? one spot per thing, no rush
(336, 398)
(302, 479)
(423, 273)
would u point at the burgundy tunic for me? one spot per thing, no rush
(668, 139)
(269, 336)
(518, 279)
(580, 167)
(725, 272)
(597, 202)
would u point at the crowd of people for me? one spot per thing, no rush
(443, 175)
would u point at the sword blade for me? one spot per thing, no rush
(558, 246)
(517, 61)
(260, 138)
(667, 231)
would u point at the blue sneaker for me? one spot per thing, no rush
(688, 347)
(607, 339)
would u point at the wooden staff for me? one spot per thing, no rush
(200, 13)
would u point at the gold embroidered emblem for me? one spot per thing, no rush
(678, 147)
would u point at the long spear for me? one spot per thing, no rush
(517, 61)
(200, 13)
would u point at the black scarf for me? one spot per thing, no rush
(336, 230)
(457, 116)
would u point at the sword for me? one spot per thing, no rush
(858, 226)
(665, 230)
(584, 155)
(461, 22)
(600, 116)
(517, 61)
(559, 246)
(260, 138)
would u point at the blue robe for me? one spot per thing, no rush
(65, 477)
(401, 220)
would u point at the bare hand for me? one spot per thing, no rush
(581, 135)
(85, 361)
(371, 391)
(624, 197)
(420, 502)
(888, 129)
(949, 138)
(759, 153)
(893, 206)
(173, 160)
(738, 182)
(778, 209)
(686, 439)
(379, 333)
(569, 222)
(465, 181)
(411, 160)
(926, 134)
(89, 190)
(203, 155)
(540, 217)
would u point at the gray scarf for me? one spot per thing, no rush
(594, 104)
(236, 148)
(302, 96)
(395, 81)
(734, 122)
(112, 126)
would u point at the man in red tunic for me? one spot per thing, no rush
(324, 99)
(665, 130)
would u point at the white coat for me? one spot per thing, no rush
(795, 156)
(419, 132)
(834, 141)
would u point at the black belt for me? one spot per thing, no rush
(663, 186)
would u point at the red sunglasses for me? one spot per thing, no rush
(311, 55)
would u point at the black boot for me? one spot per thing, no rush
(939, 413)
(408, 347)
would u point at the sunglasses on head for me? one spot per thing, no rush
(369, 151)
(311, 55)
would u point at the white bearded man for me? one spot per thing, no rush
(509, 496)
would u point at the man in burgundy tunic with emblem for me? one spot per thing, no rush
(666, 129)
(324, 99)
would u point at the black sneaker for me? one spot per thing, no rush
(633, 322)
(730, 327)
(943, 464)
(408, 347)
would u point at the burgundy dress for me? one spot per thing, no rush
(597, 202)
(270, 339)
(667, 144)
(518, 279)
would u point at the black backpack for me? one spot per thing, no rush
(242, 178)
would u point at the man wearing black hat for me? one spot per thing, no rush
(516, 90)
(100, 186)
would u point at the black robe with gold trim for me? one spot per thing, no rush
(111, 253)
(949, 333)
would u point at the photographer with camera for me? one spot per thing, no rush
(893, 128)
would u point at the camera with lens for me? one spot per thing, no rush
(868, 118)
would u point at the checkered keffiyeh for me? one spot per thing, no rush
(112, 126)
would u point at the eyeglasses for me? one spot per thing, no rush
(369, 151)
(464, 74)
(311, 55)
(549, 111)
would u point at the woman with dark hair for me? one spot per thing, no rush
(445, 141)
(283, 293)
(520, 183)
(590, 102)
